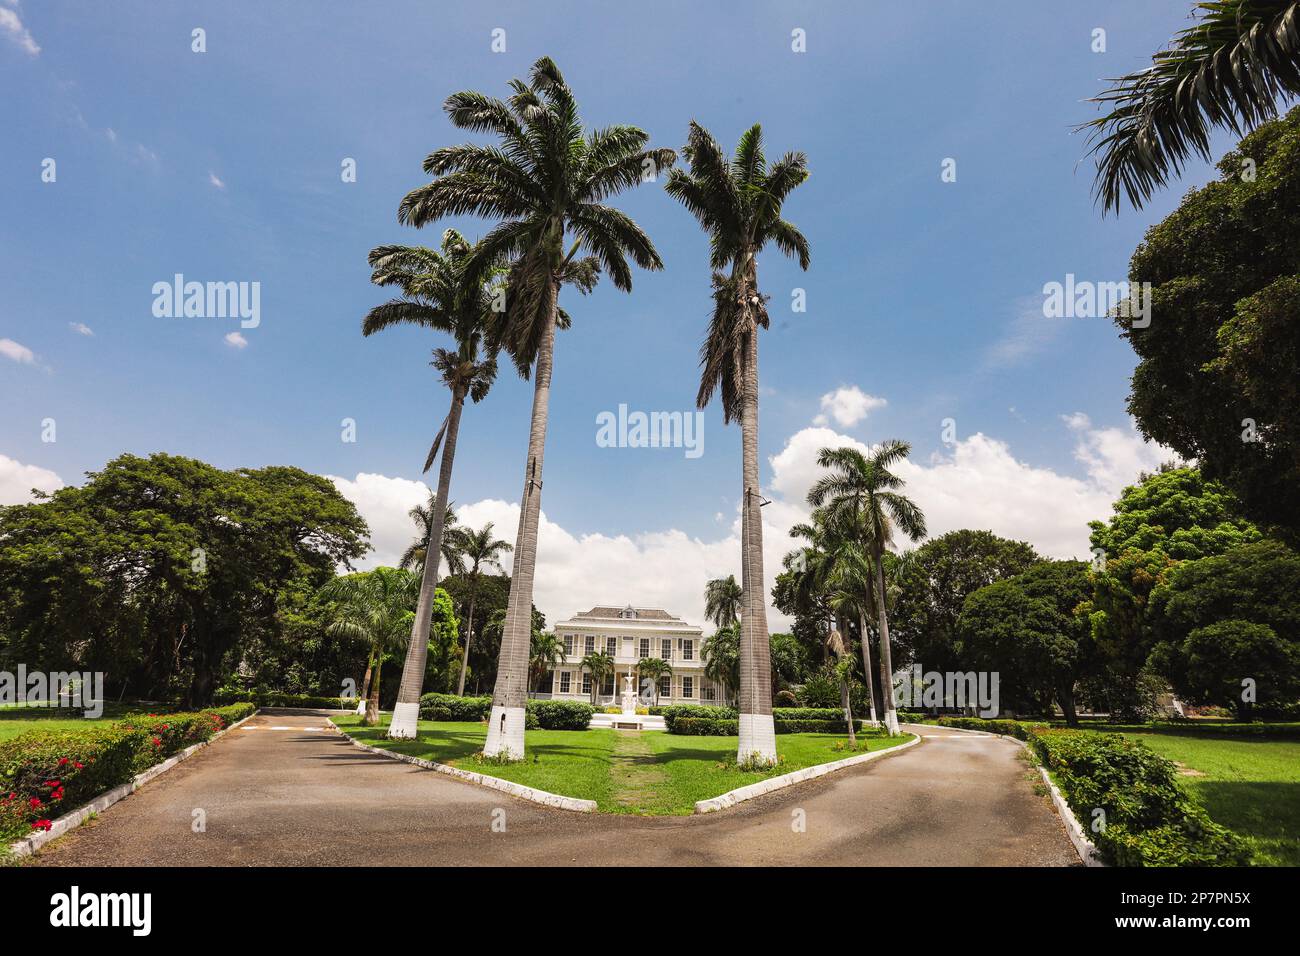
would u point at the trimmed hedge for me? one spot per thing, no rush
(45, 773)
(730, 726)
(539, 714)
(276, 699)
(1149, 819)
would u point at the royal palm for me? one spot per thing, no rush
(861, 494)
(547, 181)
(480, 552)
(439, 292)
(738, 203)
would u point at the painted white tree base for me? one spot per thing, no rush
(405, 718)
(757, 739)
(505, 735)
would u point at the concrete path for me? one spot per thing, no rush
(283, 789)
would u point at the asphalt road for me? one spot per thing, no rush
(285, 790)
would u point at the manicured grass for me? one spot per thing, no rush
(17, 720)
(1247, 782)
(1249, 785)
(650, 773)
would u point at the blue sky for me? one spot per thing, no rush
(225, 165)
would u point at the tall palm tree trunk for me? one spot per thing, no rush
(757, 731)
(406, 712)
(886, 664)
(469, 636)
(370, 669)
(865, 635)
(505, 735)
(372, 702)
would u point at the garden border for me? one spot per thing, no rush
(543, 797)
(75, 818)
(1088, 853)
(752, 790)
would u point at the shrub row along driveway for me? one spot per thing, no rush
(285, 790)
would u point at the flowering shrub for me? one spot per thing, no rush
(46, 773)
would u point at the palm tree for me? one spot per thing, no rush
(422, 515)
(860, 493)
(738, 203)
(837, 570)
(722, 659)
(843, 670)
(722, 597)
(480, 552)
(653, 669)
(1229, 69)
(547, 651)
(439, 292)
(547, 182)
(600, 665)
(377, 607)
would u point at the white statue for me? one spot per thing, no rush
(629, 695)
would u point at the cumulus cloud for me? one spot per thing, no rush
(17, 481)
(236, 340)
(11, 25)
(977, 483)
(847, 405)
(17, 352)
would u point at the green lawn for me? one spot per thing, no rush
(652, 772)
(16, 720)
(1249, 783)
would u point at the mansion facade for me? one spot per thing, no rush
(629, 635)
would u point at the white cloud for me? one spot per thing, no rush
(17, 352)
(11, 24)
(216, 180)
(848, 405)
(978, 484)
(17, 481)
(236, 340)
(81, 328)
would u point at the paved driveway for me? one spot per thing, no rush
(284, 789)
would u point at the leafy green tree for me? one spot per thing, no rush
(1222, 619)
(1174, 515)
(933, 587)
(156, 570)
(546, 653)
(860, 494)
(1217, 378)
(722, 600)
(789, 660)
(654, 669)
(1026, 629)
(547, 182)
(721, 654)
(440, 291)
(599, 665)
(374, 607)
(738, 202)
(479, 552)
(1227, 70)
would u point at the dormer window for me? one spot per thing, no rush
(628, 613)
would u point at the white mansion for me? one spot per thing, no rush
(629, 635)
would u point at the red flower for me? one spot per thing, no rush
(34, 802)
(41, 825)
(52, 783)
(157, 741)
(63, 761)
(80, 766)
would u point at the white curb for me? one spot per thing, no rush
(70, 821)
(749, 792)
(1087, 850)
(483, 780)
